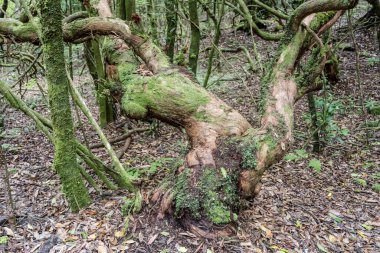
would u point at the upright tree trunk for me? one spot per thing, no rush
(215, 43)
(125, 9)
(120, 9)
(3, 9)
(171, 19)
(130, 8)
(195, 36)
(65, 160)
(151, 10)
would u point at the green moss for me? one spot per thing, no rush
(125, 71)
(201, 116)
(153, 92)
(134, 110)
(161, 56)
(214, 197)
(248, 148)
(251, 143)
(217, 212)
(65, 158)
(184, 196)
(320, 19)
(219, 194)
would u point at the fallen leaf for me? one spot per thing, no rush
(267, 231)
(120, 233)
(322, 248)
(367, 227)
(182, 249)
(332, 238)
(164, 233)
(102, 248)
(8, 231)
(91, 237)
(151, 240)
(362, 235)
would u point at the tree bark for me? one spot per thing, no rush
(65, 160)
(171, 19)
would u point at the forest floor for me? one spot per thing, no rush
(333, 208)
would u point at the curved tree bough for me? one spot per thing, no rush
(225, 150)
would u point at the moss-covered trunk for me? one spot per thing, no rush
(153, 29)
(65, 160)
(96, 65)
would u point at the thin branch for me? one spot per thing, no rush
(120, 138)
(358, 78)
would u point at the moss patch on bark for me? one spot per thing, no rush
(150, 93)
(213, 197)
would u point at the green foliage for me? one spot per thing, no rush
(376, 187)
(298, 155)
(372, 61)
(183, 196)
(150, 170)
(315, 164)
(367, 227)
(361, 182)
(216, 206)
(373, 107)
(31, 84)
(336, 218)
(249, 160)
(327, 107)
(127, 206)
(131, 205)
(3, 239)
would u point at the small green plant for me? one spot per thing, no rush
(373, 107)
(376, 187)
(298, 155)
(151, 169)
(127, 206)
(376, 175)
(367, 227)
(361, 182)
(358, 180)
(3, 239)
(372, 61)
(326, 109)
(336, 218)
(315, 164)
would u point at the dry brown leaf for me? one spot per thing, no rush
(151, 240)
(267, 231)
(102, 248)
